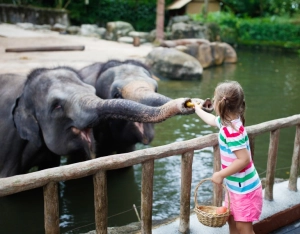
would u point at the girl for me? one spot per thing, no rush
(238, 171)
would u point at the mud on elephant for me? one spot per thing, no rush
(127, 80)
(51, 112)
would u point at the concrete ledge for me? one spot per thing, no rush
(278, 220)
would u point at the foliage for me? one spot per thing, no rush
(259, 8)
(272, 31)
(140, 13)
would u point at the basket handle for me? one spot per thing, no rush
(207, 179)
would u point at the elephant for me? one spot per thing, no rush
(51, 112)
(132, 80)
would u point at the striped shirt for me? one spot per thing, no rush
(246, 180)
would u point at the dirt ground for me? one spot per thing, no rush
(96, 50)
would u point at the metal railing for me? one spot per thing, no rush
(48, 179)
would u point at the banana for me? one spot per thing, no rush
(189, 104)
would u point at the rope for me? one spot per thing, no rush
(108, 218)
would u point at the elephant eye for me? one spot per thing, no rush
(117, 95)
(56, 106)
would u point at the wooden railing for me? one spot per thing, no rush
(97, 167)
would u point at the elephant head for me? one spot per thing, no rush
(128, 80)
(58, 110)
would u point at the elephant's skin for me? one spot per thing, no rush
(51, 112)
(130, 80)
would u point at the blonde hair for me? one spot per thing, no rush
(229, 98)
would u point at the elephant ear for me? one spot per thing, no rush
(26, 124)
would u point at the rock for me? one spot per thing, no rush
(207, 53)
(26, 25)
(183, 30)
(89, 30)
(73, 30)
(43, 27)
(143, 36)
(216, 53)
(101, 32)
(128, 40)
(59, 28)
(204, 55)
(173, 64)
(117, 29)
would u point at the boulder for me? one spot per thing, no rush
(216, 53)
(173, 64)
(183, 30)
(206, 52)
(26, 25)
(73, 30)
(117, 29)
(88, 30)
(59, 28)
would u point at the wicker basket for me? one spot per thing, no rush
(207, 214)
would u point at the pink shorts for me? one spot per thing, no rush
(245, 207)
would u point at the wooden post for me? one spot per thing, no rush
(51, 211)
(147, 196)
(252, 146)
(100, 198)
(271, 164)
(295, 162)
(136, 41)
(186, 182)
(217, 190)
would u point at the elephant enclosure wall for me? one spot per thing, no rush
(19, 14)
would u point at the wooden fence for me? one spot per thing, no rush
(97, 167)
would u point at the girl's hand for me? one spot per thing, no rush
(217, 178)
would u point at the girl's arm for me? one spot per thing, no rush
(206, 117)
(243, 159)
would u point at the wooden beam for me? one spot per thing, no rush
(45, 48)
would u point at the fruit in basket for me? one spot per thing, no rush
(221, 210)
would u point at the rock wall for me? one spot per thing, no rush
(16, 14)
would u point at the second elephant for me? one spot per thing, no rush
(131, 80)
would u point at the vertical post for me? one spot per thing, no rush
(147, 196)
(100, 199)
(271, 164)
(186, 182)
(252, 145)
(51, 211)
(160, 18)
(217, 190)
(295, 162)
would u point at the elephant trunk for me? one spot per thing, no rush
(148, 98)
(136, 112)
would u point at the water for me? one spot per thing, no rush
(271, 81)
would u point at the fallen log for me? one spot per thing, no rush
(45, 48)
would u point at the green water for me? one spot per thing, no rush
(271, 82)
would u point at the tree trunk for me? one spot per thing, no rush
(160, 15)
(205, 8)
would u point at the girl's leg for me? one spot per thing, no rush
(245, 227)
(232, 225)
